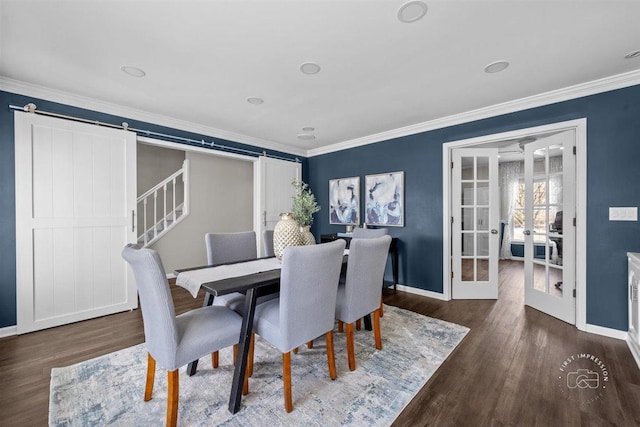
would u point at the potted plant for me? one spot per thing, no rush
(304, 206)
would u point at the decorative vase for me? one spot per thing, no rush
(307, 236)
(285, 233)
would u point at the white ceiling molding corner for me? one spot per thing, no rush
(606, 84)
(53, 95)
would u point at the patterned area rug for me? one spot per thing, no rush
(108, 390)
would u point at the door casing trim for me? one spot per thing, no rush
(580, 128)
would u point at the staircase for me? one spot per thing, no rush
(164, 206)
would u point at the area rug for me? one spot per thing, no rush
(109, 390)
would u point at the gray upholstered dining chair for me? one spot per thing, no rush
(225, 248)
(173, 341)
(267, 243)
(369, 233)
(361, 292)
(305, 308)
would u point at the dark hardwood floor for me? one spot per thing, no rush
(504, 373)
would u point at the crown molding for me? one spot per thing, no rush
(572, 92)
(54, 95)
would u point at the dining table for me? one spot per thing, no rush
(251, 277)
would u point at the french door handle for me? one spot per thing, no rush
(526, 233)
(494, 231)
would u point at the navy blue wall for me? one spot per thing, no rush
(613, 157)
(7, 182)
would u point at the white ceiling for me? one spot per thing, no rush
(204, 59)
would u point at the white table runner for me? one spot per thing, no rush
(193, 279)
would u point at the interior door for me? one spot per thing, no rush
(549, 173)
(274, 193)
(75, 194)
(475, 207)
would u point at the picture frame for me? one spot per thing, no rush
(344, 201)
(384, 199)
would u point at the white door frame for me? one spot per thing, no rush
(580, 128)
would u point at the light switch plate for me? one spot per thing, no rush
(623, 214)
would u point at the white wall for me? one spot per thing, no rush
(221, 201)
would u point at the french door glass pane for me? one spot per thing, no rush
(482, 272)
(467, 270)
(483, 194)
(467, 219)
(483, 167)
(467, 193)
(467, 244)
(468, 169)
(483, 244)
(483, 218)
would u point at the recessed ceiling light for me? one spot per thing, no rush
(634, 54)
(306, 136)
(255, 101)
(496, 67)
(310, 68)
(308, 129)
(412, 11)
(133, 71)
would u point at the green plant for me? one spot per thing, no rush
(304, 203)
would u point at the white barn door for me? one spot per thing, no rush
(75, 196)
(274, 192)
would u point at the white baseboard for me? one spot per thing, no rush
(422, 292)
(8, 331)
(607, 332)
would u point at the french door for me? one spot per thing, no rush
(274, 192)
(549, 173)
(75, 194)
(475, 207)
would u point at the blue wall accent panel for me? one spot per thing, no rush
(613, 156)
(7, 180)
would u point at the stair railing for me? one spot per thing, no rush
(172, 212)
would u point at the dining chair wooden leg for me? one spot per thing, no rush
(350, 347)
(295, 350)
(172, 398)
(358, 324)
(252, 345)
(381, 309)
(215, 359)
(310, 344)
(340, 326)
(286, 378)
(151, 375)
(235, 354)
(376, 329)
(331, 360)
(245, 382)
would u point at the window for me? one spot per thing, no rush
(539, 215)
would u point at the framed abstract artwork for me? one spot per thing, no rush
(344, 201)
(384, 199)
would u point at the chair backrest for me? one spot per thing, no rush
(267, 243)
(369, 233)
(308, 290)
(158, 312)
(230, 247)
(365, 275)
